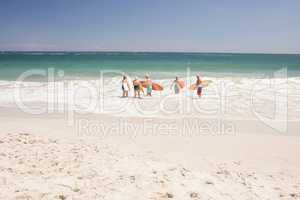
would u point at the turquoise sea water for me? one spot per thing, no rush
(88, 64)
(247, 85)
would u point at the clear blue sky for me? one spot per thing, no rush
(151, 25)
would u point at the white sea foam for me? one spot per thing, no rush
(230, 97)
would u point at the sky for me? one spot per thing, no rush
(259, 26)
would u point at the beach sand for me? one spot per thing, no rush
(41, 157)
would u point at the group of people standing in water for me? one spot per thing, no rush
(138, 86)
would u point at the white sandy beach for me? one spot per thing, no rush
(44, 158)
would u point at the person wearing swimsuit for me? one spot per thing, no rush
(199, 86)
(125, 86)
(137, 88)
(149, 85)
(176, 86)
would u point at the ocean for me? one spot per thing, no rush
(243, 86)
(89, 64)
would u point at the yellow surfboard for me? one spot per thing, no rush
(204, 83)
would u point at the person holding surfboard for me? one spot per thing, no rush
(137, 87)
(125, 86)
(177, 85)
(148, 83)
(199, 86)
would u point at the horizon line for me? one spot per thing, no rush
(140, 51)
